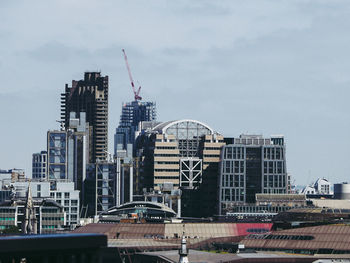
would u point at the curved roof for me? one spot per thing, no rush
(159, 206)
(162, 127)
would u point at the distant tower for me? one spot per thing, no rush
(183, 252)
(29, 226)
(132, 114)
(89, 95)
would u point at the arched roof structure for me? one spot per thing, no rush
(193, 128)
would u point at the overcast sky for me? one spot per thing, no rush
(259, 67)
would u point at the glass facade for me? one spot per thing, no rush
(249, 166)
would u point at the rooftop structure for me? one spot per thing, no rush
(150, 211)
(326, 239)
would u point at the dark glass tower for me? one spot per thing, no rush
(132, 114)
(89, 95)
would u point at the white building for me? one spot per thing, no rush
(62, 192)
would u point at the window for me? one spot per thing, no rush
(58, 195)
(66, 195)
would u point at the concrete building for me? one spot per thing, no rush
(132, 114)
(89, 95)
(184, 155)
(161, 148)
(39, 165)
(250, 165)
(62, 192)
(49, 216)
(68, 151)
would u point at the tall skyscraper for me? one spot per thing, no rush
(132, 114)
(89, 95)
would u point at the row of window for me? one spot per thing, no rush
(166, 177)
(158, 162)
(273, 153)
(233, 166)
(234, 153)
(166, 170)
(52, 218)
(274, 167)
(229, 194)
(165, 155)
(7, 219)
(274, 181)
(230, 180)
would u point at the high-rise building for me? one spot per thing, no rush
(184, 155)
(132, 114)
(89, 95)
(101, 188)
(251, 165)
(39, 165)
(68, 151)
(57, 163)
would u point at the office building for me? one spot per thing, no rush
(101, 188)
(184, 155)
(63, 193)
(32, 215)
(161, 148)
(68, 151)
(132, 114)
(57, 161)
(89, 95)
(251, 165)
(39, 165)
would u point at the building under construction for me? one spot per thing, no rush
(89, 95)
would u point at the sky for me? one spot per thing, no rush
(255, 67)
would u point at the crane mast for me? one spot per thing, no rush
(136, 93)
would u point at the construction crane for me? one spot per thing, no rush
(136, 93)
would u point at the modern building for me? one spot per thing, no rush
(49, 216)
(57, 161)
(39, 165)
(161, 149)
(250, 165)
(101, 188)
(68, 151)
(132, 114)
(89, 95)
(62, 192)
(182, 154)
(321, 187)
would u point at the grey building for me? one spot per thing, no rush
(250, 165)
(89, 95)
(68, 151)
(49, 216)
(57, 161)
(63, 193)
(39, 165)
(101, 188)
(132, 114)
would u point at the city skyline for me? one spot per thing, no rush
(265, 73)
